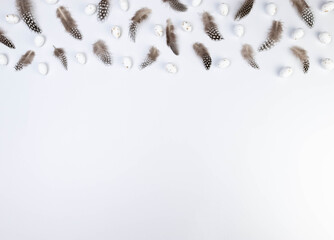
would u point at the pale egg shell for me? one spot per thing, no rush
(124, 5)
(223, 9)
(327, 63)
(116, 31)
(328, 6)
(51, 1)
(81, 58)
(43, 68)
(286, 72)
(239, 30)
(3, 59)
(187, 26)
(12, 18)
(158, 30)
(298, 34)
(271, 9)
(196, 3)
(325, 37)
(90, 9)
(127, 62)
(171, 68)
(39, 40)
(224, 63)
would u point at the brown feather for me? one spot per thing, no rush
(140, 16)
(176, 5)
(274, 36)
(247, 53)
(304, 11)
(301, 54)
(100, 49)
(103, 9)
(210, 27)
(244, 10)
(68, 22)
(203, 53)
(24, 7)
(61, 55)
(171, 37)
(25, 60)
(4, 40)
(151, 57)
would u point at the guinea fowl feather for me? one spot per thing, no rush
(203, 53)
(68, 22)
(151, 57)
(103, 9)
(210, 27)
(304, 11)
(244, 10)
(100, 49)
(176, 5)
(171, 37)
(301, 54)
(4, 40)
(140, 16)
(274, 36)
(25, 60)
(25, 8)
(61, 55)
(247, 53)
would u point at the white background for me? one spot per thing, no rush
(106, 153)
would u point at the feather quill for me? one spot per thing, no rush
(304, 11)
(61, 55)
(176, 5)
(68, 22)
(274, 36)
(244, 10)
(25, 60)
(247, 53)
(103, 9)
(25, 8)
(210, 27)
(301, 54)
(140, 16)
(151, 57)
(171, 37)
(4, 40)
(100, 49)
(203, 53)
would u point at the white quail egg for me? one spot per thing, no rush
(12, 18)
(81, 58)
(239, 30)
(224, 63)
(298, 34)
(116, 32)
(223, 9)
(43, 68)
(271, 9)
(171, 68)
(327, 64)
(39, 40)
(327, 7)
(187, 26)
(90, 9)
(196, 3)
(127, 62)
(3, 59)
(124, 4)
(325, 37)
(286, 72)
(158, 30)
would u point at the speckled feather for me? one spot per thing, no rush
(24, 8)
(151, 57)
(304, 11)
(176, 5)
(4, 40)
(100, 49)
(274, 36)
(61, 55)
(247, 53)
(203, 53)
(140, 16)
(68, 22)
(25, 60)
(103, 9)
(171, 37)
(244, 10)
(210, 27)
(301, 54)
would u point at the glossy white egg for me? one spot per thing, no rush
(328, 6)
(12, 18)
(223, 9)
(127, 62)
(187, 26)
(124, 5)
(286, 72)
(81, 58)
(224, 63)
(327, 63)
(90, 9)
(325, 37)
(158, 30)
(3, 59)
(51, 1)
(271, 9)
(39, 40)
(196, 3)
(116, 32)
(239, 30)
(43, 68)
(171, 68)
(298, 34)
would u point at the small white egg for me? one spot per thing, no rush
(116, 32)
(298, 34)
(12, 18)
(187, 26)
(239, 30)
(328, 6)
(127, 62)
(325, 37)
(271, 9)
(51, 1)
(286, 72)
(43, 68)
(81, 58)
(223, 9)
(124, 5)
(171, 68)
(158, 30)
(224, 63)
(39, 40)
(327, 63)
(90, 9)
(3, 59)
(196, 3)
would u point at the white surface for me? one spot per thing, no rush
(107, 153)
